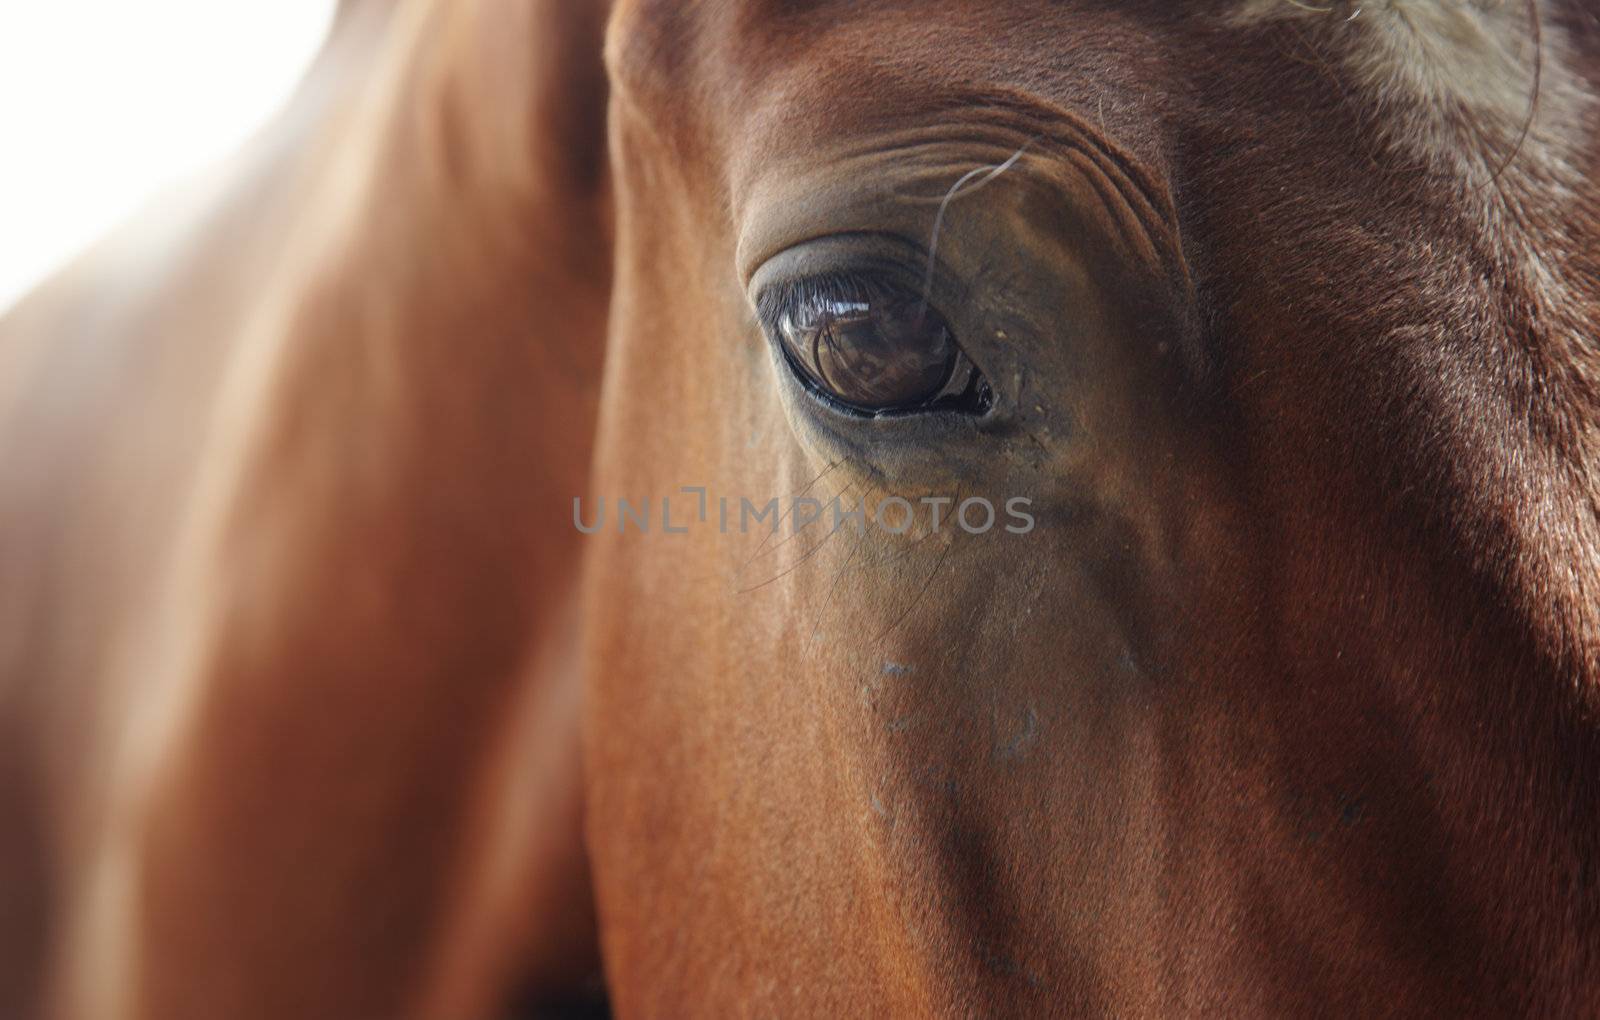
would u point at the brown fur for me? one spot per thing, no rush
(1287, 707)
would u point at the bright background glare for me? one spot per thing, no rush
(105, 102)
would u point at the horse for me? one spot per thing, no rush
(928, 508)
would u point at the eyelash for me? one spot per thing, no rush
(793, 297)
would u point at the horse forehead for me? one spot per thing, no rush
(1452, 46)
(1474, 55)
(1434, 64)
(1495, 96)
(713, 61)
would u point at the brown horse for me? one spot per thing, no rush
(1112, 524)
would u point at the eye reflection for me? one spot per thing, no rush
(870, 346)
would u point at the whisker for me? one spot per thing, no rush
(1537, 28)
(927, 582)
(781, 515)
(759, 553)
(989, 173)
(827, 597)
(797, 564)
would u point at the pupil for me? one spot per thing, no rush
(873, 351)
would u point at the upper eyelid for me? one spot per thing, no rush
(885, 256)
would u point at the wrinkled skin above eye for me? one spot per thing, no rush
(870, 347)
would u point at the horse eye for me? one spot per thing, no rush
(872, 347)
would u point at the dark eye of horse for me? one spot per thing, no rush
(873, 348)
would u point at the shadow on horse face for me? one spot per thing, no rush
(1233, 722)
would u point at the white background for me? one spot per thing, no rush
(104, 102)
